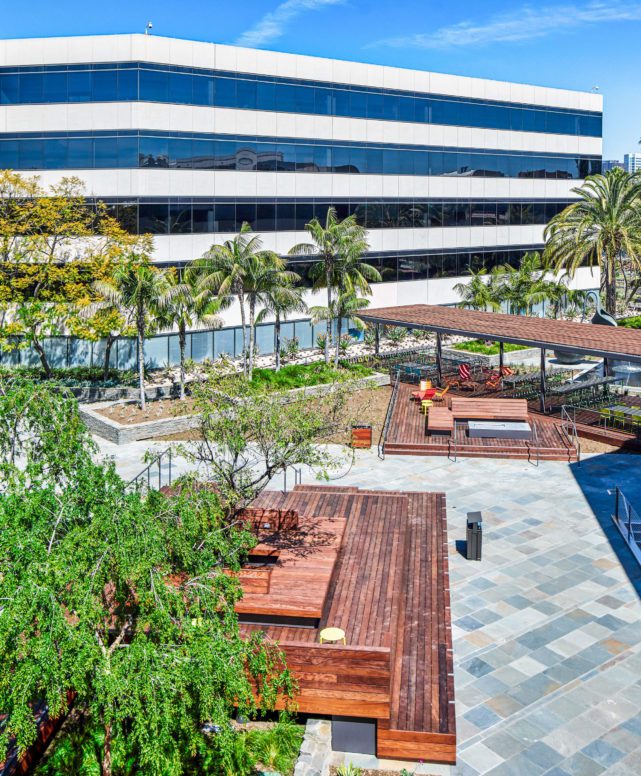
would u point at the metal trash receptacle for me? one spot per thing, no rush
(474, 535)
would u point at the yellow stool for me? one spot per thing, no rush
(425, 405)
(332, 634)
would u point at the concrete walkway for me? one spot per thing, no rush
(547, 627)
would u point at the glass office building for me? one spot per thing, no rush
(187, 140)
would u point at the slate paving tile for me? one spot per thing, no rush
(580, 765)
(603, 753)
(543, 755)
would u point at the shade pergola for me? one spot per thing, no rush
(607, 342)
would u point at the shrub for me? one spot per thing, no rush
(631, 322)
(276, 748)
(396, 334)
(348, 770)
(345, 343)
(320, 341)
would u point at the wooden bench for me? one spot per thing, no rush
(490, 409)
(440, 421)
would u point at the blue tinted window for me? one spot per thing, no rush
(265, 95)
(55, 154)
(181, 88)
(128, 85)
(80, 152)
(105, 152)
(31, 154)
(105, 85)
(154, 85)
(127, 152)
(181, 153)
(54, 87)
(180, 218)
(203, 217)
(154, 152)
(31, 87)
(79, 86)
(246, 94)
(9, 89)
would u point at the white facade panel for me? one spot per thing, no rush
(152, 48)
(204, 183)
(187, 118)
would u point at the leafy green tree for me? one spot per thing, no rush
(184, 307)
(249, 436)
(482, 291)
(120, 599)
(602, 229)
(279, 302)
(53, 245)
(334, 242)
(137, 287)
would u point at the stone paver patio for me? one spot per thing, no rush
(547, 627)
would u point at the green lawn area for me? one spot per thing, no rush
(479, 346)
(306, 375)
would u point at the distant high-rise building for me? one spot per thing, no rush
(610, 164)
(632, 163)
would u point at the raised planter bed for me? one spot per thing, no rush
(121, 433)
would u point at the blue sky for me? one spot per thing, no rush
(573, 44)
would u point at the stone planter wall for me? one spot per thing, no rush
(121, 434)
(316, 749)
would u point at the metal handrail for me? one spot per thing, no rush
(628, 522)
(570, 422)
(451, 443)
(537, 448)
(146, 480)
(388, 418)
(298, 477)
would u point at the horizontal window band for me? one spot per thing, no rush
(142, 81)
(151, 150)
(198, 216)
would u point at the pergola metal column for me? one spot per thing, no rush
(501, 355)
(377, 339)
(439, 358)
(542, 387)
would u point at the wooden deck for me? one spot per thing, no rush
(389, 592)
(406, 436)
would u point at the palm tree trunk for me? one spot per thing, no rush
(141, 357)
(277, 334)
(243, 323)
(339, 329)
(328, 334)
(610, 287)
(252, 334)
(182, 342)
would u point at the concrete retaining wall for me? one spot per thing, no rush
(121, 434)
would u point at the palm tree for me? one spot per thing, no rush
(345, 305)
(603, 229)
(279, 302)
(224, 269)
(331, 242)
(136, 286)
(481, 291)
(265, 275)
(183, 307)
(525, 286)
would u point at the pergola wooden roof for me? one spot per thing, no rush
(602, 341)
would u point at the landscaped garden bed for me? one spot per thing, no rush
(123, 422)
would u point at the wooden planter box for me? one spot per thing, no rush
(362, 436)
